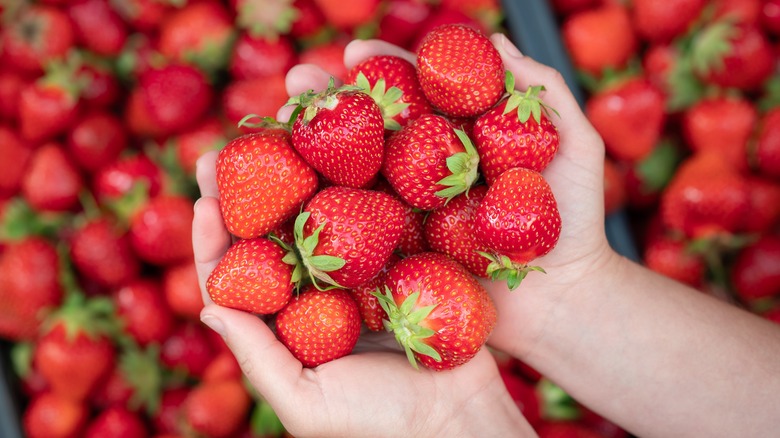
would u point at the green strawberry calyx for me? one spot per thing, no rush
(316, 267)
(463, 167)
(527, 103)
(405, 322)
(265, 122)
(389, 100)
(311, 102)
(711, 45)
(501, 267)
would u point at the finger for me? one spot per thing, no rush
(300, 79)
(265, 361)
(210, 240)
(359, 50)
(206, 174)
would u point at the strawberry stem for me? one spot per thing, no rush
(405, 323)
(463, 167)
(502, 267)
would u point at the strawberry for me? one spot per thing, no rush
(766, 152)
(344, 236)
(661, 21)
(319, 326)
(600, 38)
(50, 415)
(75, 353)
(741, 11)
(97, 26)
(262, 96)
(116, 422)
(460, 71)
(755, 273)
(96, 140)
(217, 409)
(428, 162)
(764, 199)
(442, 16)
(645, 180)
(16, 156)
(401, 19)
(515, 133)
(524, 395)
(769, 17)
(101, 87)
(187, 349)
(199, 33)
(258, 195)
(258, 57)
(29, 286)
(121, 177)
(519, 221)
(705, 197)
(224, 366)
(11, 84)
(487, 12)
(40, 34)
(438, 312)
(161, 231)
(309, 21)
(639, 108)
(340, 133)
(675, 259)
(567, 7)
(615, 194)
(142, 308)
(371, 313)
(349, 14)
(450, 230)
(412, 236)
(396, 72)
(253, 277)
(101, 251)
(264, 18)
(52, 182)
(210, 135)
(166, 419)
(329, 56)
(182, 291)
(722, 124)
(48, 106)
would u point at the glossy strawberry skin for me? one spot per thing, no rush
(101, 251)
(217, 409)
(262, 182)
(756, 271)
(662, 21)
(41, 33)
(748, 64)
(175, 97)
(46, 111)
(50, 414)
(252, 277)
(371, 312)
(141, 305)
(460, 71)
(161, 232)
(519, 216)
(52, 181)
(464, 315)
(319, 326)
(671, 257)
(767, 150)
(599, 37)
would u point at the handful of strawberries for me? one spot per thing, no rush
(382, 201)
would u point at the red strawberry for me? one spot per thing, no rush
(52, 182)
(428, 162)
(29, 286)
(345, 236)
(615, 195)
(630, 116)
(460, 71)
(756, 271)
(217, 409)
(439, 313)
(309, 21)
(644, 180)
(723, 125)
(766, 153)
(329, 56)
(224, 366)
(182, 291)
(675, 259)
(101, 85)
(262, 18)
(168, 416)
(252, 276)
(96, 140)
(142, 308)
(143, 15)
(48, 106)
(101, 251)
(412, 236)
(349, 14)
(97, 26)
(769, 17)
(124, 175)
(340, 133)
(39, 35)
(258, 195)
(515, 133)
(161, 231)
(600, 38)
(443, 16)
(396, 72)
(258, 57)
(450, 230)
(75, 352)
(319, 326)
(524, 395)
(262, 96)
(16, 155)
(11, 84)
(764, 210)
(661, 21)
(568, 7)
(741, 11)
(401, 19)
(50, 415)
(371, 313)
(118, 422)
(190, 145)
(187, 349)
(519, 221)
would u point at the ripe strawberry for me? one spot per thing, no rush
(257, 57)
(515, 133)
(144, 313)
(263, 18)
(443, 16)
(705, 197)
(329, 56)
(412, 236)
(161, 231)
(16, 155)
(487, 12)
(723, 125)
(96, 140)
(615, 194)
(769, 17)
(450, 230)
(210, 135)
(401, 19)
(525, 396)
(101, 87)
(568, 7)
(764, 199)
(645, 180)
(460, 71)
(253, 277)
(740, 11)
(349, 14)
(630, 116)
(371, 313)
(29, 286)
(756, 271)
(143, 15)
(48, 106)
(187, 349)
(224, 366)
(52, 181)
(600, 38)
(97, 26)
(118, 422)
(766, 152)
(519, 221)
(439, 313)
(675, 259)
(344, 236)
(661, 21)
(217, 409)
(168, 416)
(319, 326)
(121, 177)
(101, 251)
(51, 415)
(428, 162)
(11, 84)
(75, 353)
(258, 195)
(309, 21)
(396, 72)
(340, 133)
(182, 291)
(39, 35)
(262, 96)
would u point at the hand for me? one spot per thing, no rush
(372, 392)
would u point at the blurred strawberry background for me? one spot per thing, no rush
(105, 106)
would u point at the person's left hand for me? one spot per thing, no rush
(372, 392)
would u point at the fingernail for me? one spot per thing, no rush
(509, 48)
(214, 323)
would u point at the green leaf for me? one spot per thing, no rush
(264, 421)
(326, 263)
(420, 347)
(409, 303)
(419, 315)
(509, 81)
